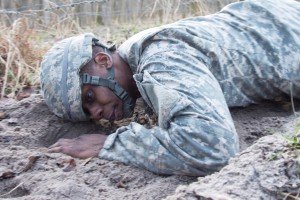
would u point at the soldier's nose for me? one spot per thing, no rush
(96, 113)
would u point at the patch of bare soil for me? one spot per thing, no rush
(27, 171)
(266, 170)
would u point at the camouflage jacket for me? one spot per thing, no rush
(191, 71)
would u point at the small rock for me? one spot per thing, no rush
(102, 190)
(12, 121)
(17, 129)
(5, 139)
(3, 115)
(121, 184)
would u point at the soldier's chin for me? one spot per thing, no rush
(119, 116)
(127, 114)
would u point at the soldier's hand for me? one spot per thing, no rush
(84, 146)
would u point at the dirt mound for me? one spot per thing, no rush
(27, 171)
(267, 170)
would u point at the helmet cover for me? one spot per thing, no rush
(60, 79)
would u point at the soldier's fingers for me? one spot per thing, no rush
(54, 145)
(56, 149)
(87, 154)
(61, 142)
(65, 150)
(64, 140)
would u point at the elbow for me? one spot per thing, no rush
(220, 154)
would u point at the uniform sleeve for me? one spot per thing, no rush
(195, 135)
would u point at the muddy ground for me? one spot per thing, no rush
(265, 168)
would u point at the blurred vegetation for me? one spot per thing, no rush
(29, 28)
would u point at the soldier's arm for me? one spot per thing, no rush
(195, 135)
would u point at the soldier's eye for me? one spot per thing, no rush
(89, 97)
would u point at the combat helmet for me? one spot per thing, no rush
(61, 81)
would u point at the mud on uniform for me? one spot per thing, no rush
(191, 71)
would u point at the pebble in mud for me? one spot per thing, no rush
(17, 128)
(5, 139)
(2, 128)
(3, 115)
(12, 122)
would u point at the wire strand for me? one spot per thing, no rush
(53, 8)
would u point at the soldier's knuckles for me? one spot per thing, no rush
(61, 141)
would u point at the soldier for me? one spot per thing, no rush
(188, 72)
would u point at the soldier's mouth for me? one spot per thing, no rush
(112, 116)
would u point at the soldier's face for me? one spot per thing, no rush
(101, 103)
(98, 101)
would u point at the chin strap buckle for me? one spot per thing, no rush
(111, 84)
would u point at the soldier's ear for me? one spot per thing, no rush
(103, 60)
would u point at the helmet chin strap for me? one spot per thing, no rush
(109, 82)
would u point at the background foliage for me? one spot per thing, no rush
(28, 28)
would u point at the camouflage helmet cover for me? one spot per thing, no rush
(60, 79)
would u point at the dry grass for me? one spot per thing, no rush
(20, 58)
(170, 10)
(22, 49)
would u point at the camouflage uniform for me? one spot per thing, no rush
(191, 71)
